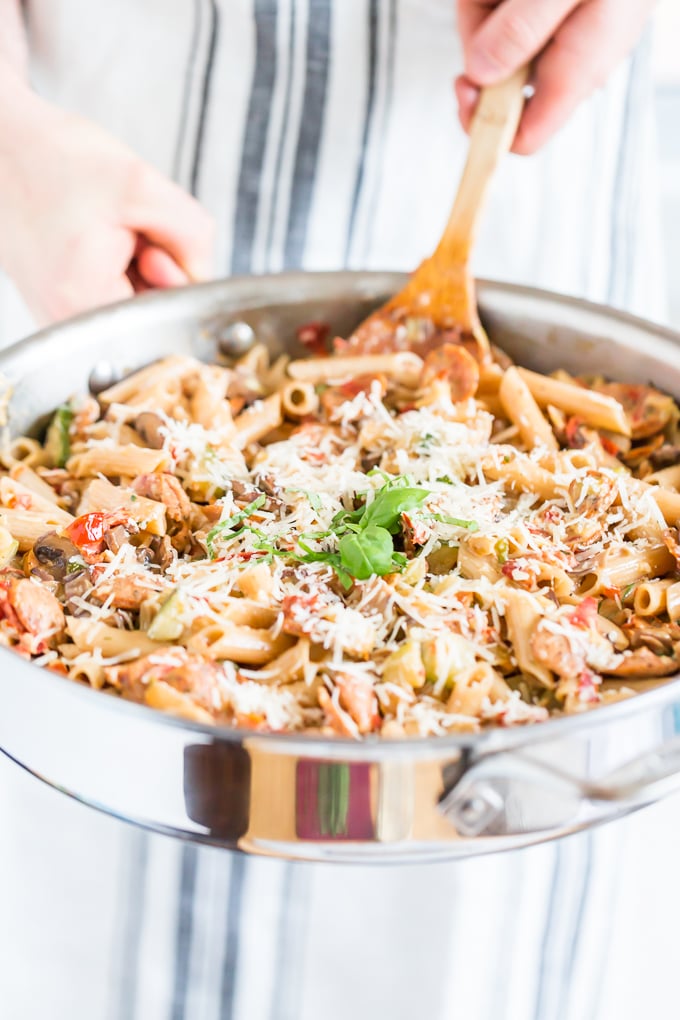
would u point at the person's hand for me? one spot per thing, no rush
(575, 44)
(84, 221)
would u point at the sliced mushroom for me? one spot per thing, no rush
(149, 425)
(643, 663)
(56, 554)
(75, 587)
(667, 456)
(116, 538)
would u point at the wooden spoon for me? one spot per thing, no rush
(439, 301)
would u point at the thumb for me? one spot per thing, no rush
(172, 220)
(157, 268)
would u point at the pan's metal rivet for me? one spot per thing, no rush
(236, 338)
(471, 809)
(103, 375)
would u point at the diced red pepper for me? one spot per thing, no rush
(585, 613)
(609, 446)
(314, 336)
(88, 532)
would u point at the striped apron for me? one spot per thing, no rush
(322, 134)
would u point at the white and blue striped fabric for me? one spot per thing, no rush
(322, 134)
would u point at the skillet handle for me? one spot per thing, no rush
(477, 803)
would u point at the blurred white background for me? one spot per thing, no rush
(667, 73)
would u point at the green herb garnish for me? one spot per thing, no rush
(367, 552)
(313, 498)
(227, 529)
(456, 522)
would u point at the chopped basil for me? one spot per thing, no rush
(456, 522)
(227, 529)
(313, 498)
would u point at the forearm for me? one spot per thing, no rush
(16, 98)
(13, 42)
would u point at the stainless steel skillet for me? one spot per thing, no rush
(313, 798)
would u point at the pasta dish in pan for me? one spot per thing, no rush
(402, 543)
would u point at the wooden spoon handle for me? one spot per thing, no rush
(492, 133)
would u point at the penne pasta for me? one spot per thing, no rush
(286, 668)
(257, 584)
(625, 567)
(520, 473)
(673, 601)
(650, 597)
(148, 380)
(15, 495)
(27, 526)
(101, 495)
(404, 367)
(161, 695)
(298, 400)
(593, 408)
(117, 461)
(669, 478)
(523, 613)
(91, 635)
(238, 643)
(27, 477)
(257, 421)
(208, 403)
(524, 412)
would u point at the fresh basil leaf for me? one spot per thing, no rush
(390, 504)
(367, 552)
